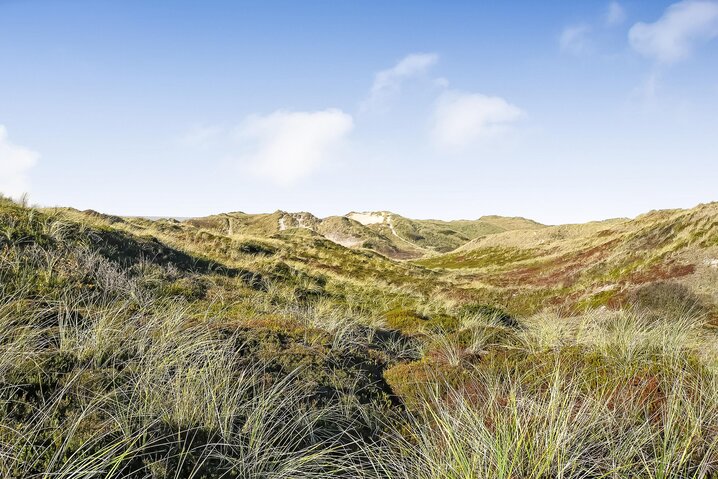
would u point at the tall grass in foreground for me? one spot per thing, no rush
(108, 381)
(139, 390)
(171, 399)
(615, 395)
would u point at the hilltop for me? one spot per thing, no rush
(388, 233)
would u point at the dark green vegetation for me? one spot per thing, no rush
(258, 346)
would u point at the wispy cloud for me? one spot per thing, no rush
(15, 164)
(649, 89)
(673, 37)
(462, 119)
(286, 146)
(579, 39)
(574, 39)
(388, 82)
(615, 14)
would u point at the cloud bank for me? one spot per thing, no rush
(286, 146)
(15, 164)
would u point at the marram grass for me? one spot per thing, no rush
(123, 359)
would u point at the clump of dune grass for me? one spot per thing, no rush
(166, 396)
(610, 394)
(109, 380)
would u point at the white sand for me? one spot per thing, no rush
(367, 218)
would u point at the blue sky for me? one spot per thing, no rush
(558, 111)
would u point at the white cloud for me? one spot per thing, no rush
(15, 163)
(388, 82)
(574, 39)
(673, 36)
(615, 14)
(285, 146)
(463, 119)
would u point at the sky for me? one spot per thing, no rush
(557, 111)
